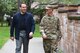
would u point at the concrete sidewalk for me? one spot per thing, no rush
(35, 46)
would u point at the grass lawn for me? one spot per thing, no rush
(4, 34)
(37, 33)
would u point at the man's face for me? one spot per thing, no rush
(48, 11)
(23, 8)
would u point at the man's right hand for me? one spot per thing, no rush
(12, 38)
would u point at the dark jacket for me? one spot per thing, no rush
(30, 25)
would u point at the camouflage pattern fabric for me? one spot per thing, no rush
(50, 25)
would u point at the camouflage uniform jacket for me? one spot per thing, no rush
(50, 26)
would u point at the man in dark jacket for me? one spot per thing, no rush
(23, 25)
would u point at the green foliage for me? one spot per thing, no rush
(1, 7)
(46, 1)
(70, 1)
(7, 6)
(37, 11)
(11, 5)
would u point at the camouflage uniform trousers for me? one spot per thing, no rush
(50, 45)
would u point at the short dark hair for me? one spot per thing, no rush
(22, 3)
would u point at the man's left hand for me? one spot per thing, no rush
(31, 35)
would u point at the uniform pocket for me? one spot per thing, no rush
(52, 36)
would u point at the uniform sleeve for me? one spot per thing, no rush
(42, 26)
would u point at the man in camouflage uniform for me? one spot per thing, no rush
(50, 30)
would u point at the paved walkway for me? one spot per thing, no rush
(34, 47)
